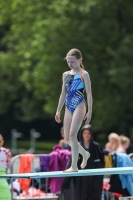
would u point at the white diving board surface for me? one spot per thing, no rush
(84, 172)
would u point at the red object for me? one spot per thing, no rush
(117, 194)
(107, 187)
(32, 192)
(25, 167)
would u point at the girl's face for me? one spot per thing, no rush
(86, 135)
(72, 62)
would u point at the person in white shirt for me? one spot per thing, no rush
(5, 157)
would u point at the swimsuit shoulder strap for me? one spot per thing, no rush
(67, 77)
(67, 73)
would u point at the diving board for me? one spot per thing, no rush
(84, 172)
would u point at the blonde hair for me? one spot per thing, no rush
(124, 139)
(113, 136)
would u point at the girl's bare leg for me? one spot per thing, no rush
(73, 124)
(67, 125)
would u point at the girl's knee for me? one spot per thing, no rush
(72, 136)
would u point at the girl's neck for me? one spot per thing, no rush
(77, 70)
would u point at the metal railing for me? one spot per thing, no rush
(14, 167)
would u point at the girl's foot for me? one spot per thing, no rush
(85, 158)
(71, 170)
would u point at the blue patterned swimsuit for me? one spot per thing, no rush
(75, 89)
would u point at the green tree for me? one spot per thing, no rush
(40, 34)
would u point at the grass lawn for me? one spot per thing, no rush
(41, 146)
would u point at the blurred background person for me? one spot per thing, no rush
(5, 157)
(113, 142)
(62, 141)
(87, 187)
(123, 145)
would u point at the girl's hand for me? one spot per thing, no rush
(87, 117)
(57, 117)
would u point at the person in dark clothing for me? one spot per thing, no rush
(87, 187)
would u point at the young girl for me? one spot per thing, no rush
(74, 83)
(5, 157)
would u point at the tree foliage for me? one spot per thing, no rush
(35, 37)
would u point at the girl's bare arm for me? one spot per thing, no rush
(87, 83)
(61, 99)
